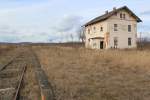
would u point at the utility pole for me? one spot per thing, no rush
(141, 40)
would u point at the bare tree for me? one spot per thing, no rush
(81, 34)
(71, 36)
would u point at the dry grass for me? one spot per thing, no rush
(6, 48)
(82, 74)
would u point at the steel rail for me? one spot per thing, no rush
(8, 63)
(20, 82)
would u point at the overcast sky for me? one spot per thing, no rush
(55, 20)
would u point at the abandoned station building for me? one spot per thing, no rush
(114, 29)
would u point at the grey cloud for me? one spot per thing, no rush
(6, 29)
(60, 31)
(68, 23)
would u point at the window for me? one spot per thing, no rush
(129, 41)
(94, 28)
(115, 14)
(120, 15)
(101, 29)
(94, 45)
(115, 27)
(88, 31)
(129, 28)
(124, 16)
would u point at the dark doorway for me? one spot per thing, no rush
(101, 44)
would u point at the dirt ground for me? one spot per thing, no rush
(82, 74)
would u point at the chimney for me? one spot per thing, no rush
(106, 12)
(114, 8)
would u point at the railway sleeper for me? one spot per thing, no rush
(46, 88)
(9, 73)
(7, 93)
(9, 82)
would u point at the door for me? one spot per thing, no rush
(115, 42)
(101, 44)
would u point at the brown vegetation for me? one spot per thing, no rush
(5, 48)
(82, 74)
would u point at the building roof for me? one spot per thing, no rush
(109, 14)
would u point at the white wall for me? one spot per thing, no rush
(122, 32)
(96, 33)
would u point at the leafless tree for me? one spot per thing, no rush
(71, 36)
(81, 34)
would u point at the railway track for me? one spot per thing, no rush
(12, 74)
(11, 77)
(46, 89)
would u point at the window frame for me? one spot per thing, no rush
(101, 29)
(115, 27)
(121, 15)
(94, 44)
(94, 29)
(129, 41)
(116, 41)
(116, 14)
(89, 31)
(129, 28)
(124, 16)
